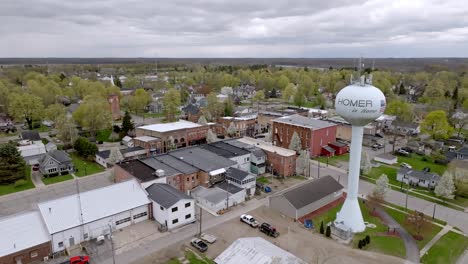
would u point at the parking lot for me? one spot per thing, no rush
(311, 247)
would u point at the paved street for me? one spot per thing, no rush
(453, 217)
(27, 200)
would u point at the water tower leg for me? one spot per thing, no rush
(350, 214)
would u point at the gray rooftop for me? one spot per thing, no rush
(165, 195)
(303, 121)
(312, 191)
(213, 195)
(104, 154)
(225, 150)
(131, 149)
(157, 165)
(59, 155)
(201, 158)
(426, 176)
(176, 163)
(30, 135)
(232, 189)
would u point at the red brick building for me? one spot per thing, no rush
(245, 125)
(192, 113)
(114, 104)
(183, 132)
(314, 134)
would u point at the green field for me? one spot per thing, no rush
(10, 188)
(56, 179)
(263, 179)
(391, 173)
(417, 163)
(84, 167)
(192, 259)
(447, 250)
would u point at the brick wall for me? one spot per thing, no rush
(120, 174)
(284, 166)
(32, 254)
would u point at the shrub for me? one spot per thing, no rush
(367, 239)
(321, 228)
(20, 182)
(360, 244)
(328, 232)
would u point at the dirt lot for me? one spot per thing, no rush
(311, 247)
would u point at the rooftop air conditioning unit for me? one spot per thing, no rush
(160, 173)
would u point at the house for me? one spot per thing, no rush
(279, 161)
(192, 112)
(24, 239)
(215, 199)
(242, 179)
(306, 198)
(417, 178)
(30, 137)
(257, 156)
(171, 207)
(156, 107)
(256, 250)
(404, 128)
(183, 132)
(56, 162)
(127, 141)
(461, 154)
(50, 147)
(107, 158)
(33, 153)
(314, 134)
(386, 158)
(82, 217)
(222, 97)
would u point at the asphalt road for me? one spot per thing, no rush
(27, 200)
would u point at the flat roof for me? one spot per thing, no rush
(298, 120)
(146, 138)
(267, 146)
(224, 149)
(256, 250)
(64, 213)
(202, 159)
(20, 232)
(139, 170)
(165, 127)
(165, 195)
(176, 163)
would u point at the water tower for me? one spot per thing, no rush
(359, 103)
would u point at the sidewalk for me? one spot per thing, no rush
(442, 232)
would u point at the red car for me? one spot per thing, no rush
(35, 167)
(79, 260)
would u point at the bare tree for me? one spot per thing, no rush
(303, 163)
(232, 130)
(366, 165)
(420, 223)
(295, 143)
(210, 136)
(202, 120)
(381, 187)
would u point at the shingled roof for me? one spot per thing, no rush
(165, 195)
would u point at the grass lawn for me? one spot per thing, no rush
(263, 179)
(326, 217)
(447, 250)
(299, 177)
(391, 173)
(417, 163)
(42, 128)
(427, 234)
(56, 179)
(193, 259)
(10, 188)
(334, 160)
(103, 135)
(85, 167)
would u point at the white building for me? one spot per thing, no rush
(127, 141)
(171, 207)
(32, 153)
(76, 218)
(23, 239)
(256, 250)
(240, 156)
(242, 179)
(216, 199)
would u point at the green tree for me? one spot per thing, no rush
(436, 125)
(132, 83)
(299, 98)
(328, 231)
(289, 92)
(127, 124)
(402, 110)
(171, 102)
(12, 165)
(228, 107)
(66, 129)
(445, 187)
(85, 148)
(259, 96)
(282, 82)
(214, 106)
(86, 114)
(54, 111)
(26, 107)
(138, 102)
(322, 230)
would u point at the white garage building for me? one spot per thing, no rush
(76, 218)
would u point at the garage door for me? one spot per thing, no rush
(140, 214)
(124, 222)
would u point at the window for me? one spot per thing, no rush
(51, 162)
(51, 170)
(175, 221)
(187, 205)
(85, 236)
(188, 178)
(174, 209)
(60, 244)
(327, 132)
(162, 208)
(248, 159)
(140, 215)
(188, 216)
(33, 254)
(119, 222)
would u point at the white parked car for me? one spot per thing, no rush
(248, 219)
(208, 238)
(405, 165)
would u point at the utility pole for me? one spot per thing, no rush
(112, 243)
(200, 220)
(227, 195)
(318, 168)
(433, 213)
(406, 201)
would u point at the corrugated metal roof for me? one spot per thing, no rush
(64, 213)
(303, 121)
(256, 250)
(19, 232)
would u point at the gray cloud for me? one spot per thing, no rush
(242, 28)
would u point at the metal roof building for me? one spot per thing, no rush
(256, 250)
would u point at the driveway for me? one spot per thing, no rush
(412, 250)
(37, 179)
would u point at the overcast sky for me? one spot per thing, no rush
(233, 28)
